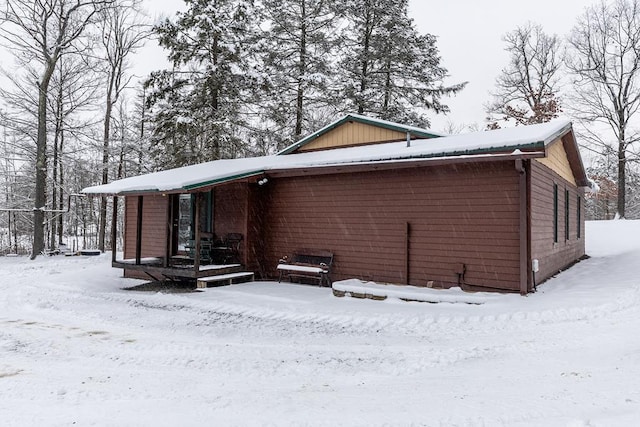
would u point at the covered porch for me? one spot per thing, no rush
(155, 269)
(190, 235)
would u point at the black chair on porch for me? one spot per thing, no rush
(227, 251)
(206, 246)
(233, 241)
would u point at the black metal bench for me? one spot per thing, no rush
(307, 263)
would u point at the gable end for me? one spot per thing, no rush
(556, 159)
(354, 130)
(353, 133)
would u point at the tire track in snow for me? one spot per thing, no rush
(235, 315)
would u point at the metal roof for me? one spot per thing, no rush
(518, 141)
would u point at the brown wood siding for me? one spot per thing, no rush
(552, 256)
(254, 240)
(154, 227)
(457, 214)
(230, 207)
(154, 231)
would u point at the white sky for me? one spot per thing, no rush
(469, 38)
(470, 42)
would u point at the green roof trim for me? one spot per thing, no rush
(503, 144)
(137, 192)
(223, 180)
(193, 186)
(474, 152)
(490, 150)
(422, 133)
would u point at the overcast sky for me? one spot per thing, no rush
(470, 42)
(469, 38)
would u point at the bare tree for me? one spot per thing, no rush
(41, 32)
(526, 88)
(124, 30)
(605, 62)
(453, 128)
(74, 90)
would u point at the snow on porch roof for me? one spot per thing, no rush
(471, 145)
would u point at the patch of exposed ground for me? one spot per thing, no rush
(166, 287)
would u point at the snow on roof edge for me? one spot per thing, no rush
(469, 145)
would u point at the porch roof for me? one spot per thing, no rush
(517, 141)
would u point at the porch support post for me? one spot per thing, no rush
(407, 233)
(114, 229)
(524, 256)
(168, 232)
(139, 230)
(196, 261)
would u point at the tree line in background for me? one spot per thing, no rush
(65, 125)
(246, 78)
(251, 77)
(592, 76)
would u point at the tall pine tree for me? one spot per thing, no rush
(198, 108)
(297, 53)
(388, 69)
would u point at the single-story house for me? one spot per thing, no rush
(393, 203)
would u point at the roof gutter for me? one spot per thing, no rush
(523, 226)
(416, 162)
(184, 189)
(223, 180)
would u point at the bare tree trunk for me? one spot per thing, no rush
(214, 96)
(123, 31)
(622, 179)
(105, 164)
(302, 67)
(41, 163)
(387, 86)
(54, 192)
(56, 160)
(61, 179)
(365, 68)
(15, 233)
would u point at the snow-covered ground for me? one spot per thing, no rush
(75, 349)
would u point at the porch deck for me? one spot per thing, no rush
(155, 265)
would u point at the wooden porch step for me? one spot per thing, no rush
(225, 279)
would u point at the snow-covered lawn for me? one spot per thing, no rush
(75, 349)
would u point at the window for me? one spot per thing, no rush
(184, 220)
(207, 215)
(187, 217)
(206, 212)
(555, 213)
(578, 217)
(566, 214)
